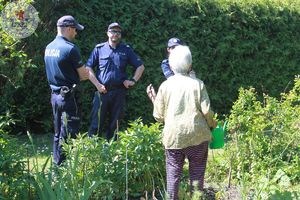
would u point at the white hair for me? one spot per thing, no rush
(180, 59)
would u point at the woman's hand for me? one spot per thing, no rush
(151, 92)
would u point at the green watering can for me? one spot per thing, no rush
(218, 134)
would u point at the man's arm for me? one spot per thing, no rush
(83, 73)
(91, 62)
(137, 75)
(101, 88)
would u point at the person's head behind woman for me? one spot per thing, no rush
(180, 59)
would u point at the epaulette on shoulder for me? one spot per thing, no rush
(70, 43)
(164, 61)
(100, 45)
(126, 45)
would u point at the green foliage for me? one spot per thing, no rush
(234, 43)
(14, 62)
(13, 175)
(264, 141)
(145, 156)
(133, 164)
(94, 169)
(47, 185)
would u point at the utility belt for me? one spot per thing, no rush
(65, 91)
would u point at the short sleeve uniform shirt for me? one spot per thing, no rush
(111, 63)
(62, 58)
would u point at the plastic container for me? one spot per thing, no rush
(218, 134)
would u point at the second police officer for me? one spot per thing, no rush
(165, 67)
(110, 59)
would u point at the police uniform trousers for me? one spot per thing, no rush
(67, 117)
(107, 106)
(197, 157)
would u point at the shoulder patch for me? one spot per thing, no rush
(100, 45)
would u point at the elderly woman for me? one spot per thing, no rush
(182, 103)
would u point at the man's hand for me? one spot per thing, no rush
(101, 88)
(128, 83)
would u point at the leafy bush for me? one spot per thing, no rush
(13, 172)
(14, 62)
(130, 166)
(264, 140)
(94, 169)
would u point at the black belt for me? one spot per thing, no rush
(114, 87)
(56, 91)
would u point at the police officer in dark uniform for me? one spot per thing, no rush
(111, 80)
(64, 70)
(172, 43)
(167, 71)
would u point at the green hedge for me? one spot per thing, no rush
(234, 44)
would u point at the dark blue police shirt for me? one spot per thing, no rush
(62, 58)
(166, 68)
(111, 63)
